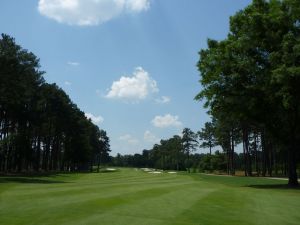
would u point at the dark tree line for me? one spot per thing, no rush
(41, 129)
(251, 81)
(170, 154)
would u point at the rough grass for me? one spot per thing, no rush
(134, 197)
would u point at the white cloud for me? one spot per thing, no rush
(89, 12)
(166, 121)
(163, 100)
(68, 83)
(150, 137)
(73, 63)
(134, 88)
(129, 139)
(95, 119)
(137, 5)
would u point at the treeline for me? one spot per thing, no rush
(41, 129)
(176, 153)
(251, 81)
(151, 159)
(179, 153)
(171, 154)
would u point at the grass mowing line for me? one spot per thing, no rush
(86, 196)
(154, 205)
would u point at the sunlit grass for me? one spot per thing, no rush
(129, 196)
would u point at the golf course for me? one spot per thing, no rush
(135, 196)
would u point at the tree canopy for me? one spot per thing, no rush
(250, 80)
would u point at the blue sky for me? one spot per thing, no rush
(130, 65)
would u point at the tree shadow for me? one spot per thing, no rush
(274, 186)
(108, 171)
(28, 180)
(105, 170)
(34, 174)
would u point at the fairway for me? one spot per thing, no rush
(135, 197)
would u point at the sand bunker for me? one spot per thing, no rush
(172, 172)
(110, 169)
(147, 169)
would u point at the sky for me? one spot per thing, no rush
(130, 65)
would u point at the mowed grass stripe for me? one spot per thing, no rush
(131, 196)
(92, 181)
(82, 194)
(90, 195)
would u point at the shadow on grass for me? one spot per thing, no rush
(274, 186)
(28, 180)
(35, 174)
(103, 170)
(108, 171)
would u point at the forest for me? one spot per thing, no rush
(41, 129)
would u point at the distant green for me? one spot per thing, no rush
(134, 197)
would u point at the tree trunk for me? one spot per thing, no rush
(38, 154)
(255, 154)
(292, 166)
(248, 169)
(264, 154)
(98, 163)
(232, 167)
(228, 161)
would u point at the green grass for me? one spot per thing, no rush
(133, 197)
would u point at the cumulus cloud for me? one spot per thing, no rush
(163, 100)
(95, 119)
(73, 63)
(150, 137)
(166, 121)
(137, 5)
(89, 12)
(129, 139)
(134, 88)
